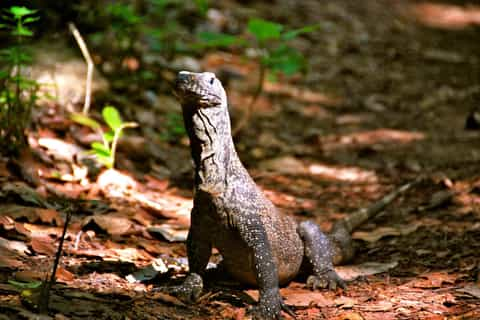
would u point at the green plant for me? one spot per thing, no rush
(106, 149)
(273, 53)
(18, 94)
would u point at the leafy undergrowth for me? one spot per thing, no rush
(385, 102)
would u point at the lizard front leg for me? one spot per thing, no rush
(319, 254)
(199, 249)
(254, 235)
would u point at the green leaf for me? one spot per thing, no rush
(108, 136)
(295, 33)
(112, 117)
(25, 285)
(19, 12)
(100, 149)
(212, 39)
(22, 31)
(285, 60)
(264, 30)
(31, 19)
(85, 121)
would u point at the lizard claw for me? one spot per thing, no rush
(189, 291)
(328, 280)
(268, 308)
(289, 311)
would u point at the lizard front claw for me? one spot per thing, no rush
(328, 280)
(189, 291)
(268, 308)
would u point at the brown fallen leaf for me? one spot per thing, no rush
(113, 223)
(379, 233)
(352, 272)
(29, 276)
(345, 302)
(32, 214)
(25, 193)
(43, 245)
(303, 298)
(63, 275)
(7, 222)
(153, 246)
(170, 232)
(156, 184)
(378, 306)
(11, 253)
(9, 260)
(124, 255)
(18, 247)
(433, 280)
(36, 230)
(168, 299)
(165, 206)
(59, 149)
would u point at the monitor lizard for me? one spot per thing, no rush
(259, 245)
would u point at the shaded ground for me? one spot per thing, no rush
(385, 101)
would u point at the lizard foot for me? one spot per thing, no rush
(268, 308)
(189, 291)
(328, 280)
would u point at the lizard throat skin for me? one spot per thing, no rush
(260, 245)
(206, 118)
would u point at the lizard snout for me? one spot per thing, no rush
(182, 78)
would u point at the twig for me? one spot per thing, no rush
(88, 59)
(45, 294)
(249, 110)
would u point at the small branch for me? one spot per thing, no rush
(249, 110)
(88, 59)
(45, 294)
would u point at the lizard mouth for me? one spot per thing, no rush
(189, 89)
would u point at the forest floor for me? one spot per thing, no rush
(386, 100)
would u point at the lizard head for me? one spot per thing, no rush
(199, 89)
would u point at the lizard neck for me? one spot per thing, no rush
(211, 146)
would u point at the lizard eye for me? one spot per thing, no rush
(212, 80)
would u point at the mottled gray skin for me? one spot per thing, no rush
(259, 245)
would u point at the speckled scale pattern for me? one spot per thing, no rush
(259, 245)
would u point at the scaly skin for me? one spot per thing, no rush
(260, 246)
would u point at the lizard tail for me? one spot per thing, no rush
(359, 217)
(342, 229)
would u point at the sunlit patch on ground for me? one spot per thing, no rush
(371, 137)
(301, 94)
(348, 174)
(295, 166)
(446, 16)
